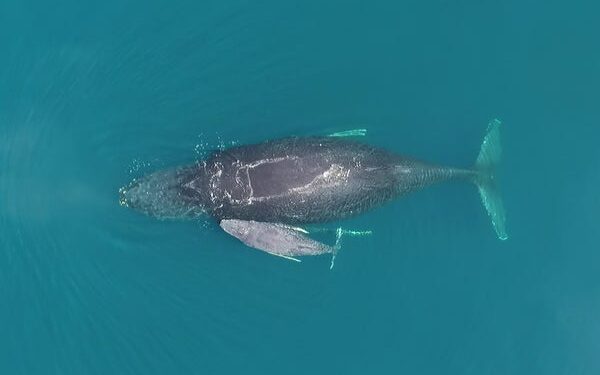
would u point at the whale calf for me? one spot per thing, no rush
(272, 187)
(283, 240)
(278, 239)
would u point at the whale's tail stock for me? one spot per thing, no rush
(485, 179)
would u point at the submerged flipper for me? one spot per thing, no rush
(285, 257)
(339, 232)
(487, 160)
(350, 133)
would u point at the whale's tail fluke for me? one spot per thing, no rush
(487, 160)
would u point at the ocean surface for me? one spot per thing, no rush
(94, 94)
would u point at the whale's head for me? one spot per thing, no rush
(163, 194)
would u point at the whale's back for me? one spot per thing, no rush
(303, 180)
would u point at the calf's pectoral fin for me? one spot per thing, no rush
(283, 256)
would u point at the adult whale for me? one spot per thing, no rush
(261, 193)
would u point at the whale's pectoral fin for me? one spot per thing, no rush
(339, 233)
(349, 133)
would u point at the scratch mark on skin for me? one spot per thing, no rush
(272, 160)
(335, 175)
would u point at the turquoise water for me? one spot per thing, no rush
(93, 95)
